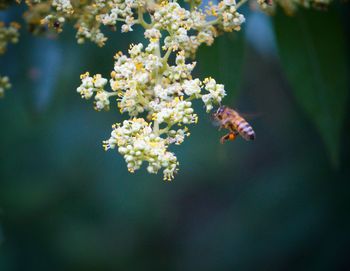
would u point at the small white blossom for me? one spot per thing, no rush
(177, 111)
(153, 34)
(215, 95)
(135, 49)
(177, 136)
(89, 85)
(229, 2)
(192, 87)
(99, 81)
(126, 28)
(102, 101)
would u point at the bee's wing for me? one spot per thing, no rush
(250, 115)
(214, 121)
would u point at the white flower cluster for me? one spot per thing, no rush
(87, 25)
(215, 95)
(176, 111)
(95, 84)
(64, 6)
(231, 19)
(187, 28)
(122, 11)
(145, 82)
(137, 141)
(179, 23)
(4, 85)
(8, 35)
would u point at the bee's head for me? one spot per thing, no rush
(219, 112)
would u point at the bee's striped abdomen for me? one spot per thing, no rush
(244, 129)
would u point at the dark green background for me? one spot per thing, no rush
(278, 203)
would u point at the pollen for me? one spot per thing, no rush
(164, 3)
(139, 66)
(115, 85)
(84, 75)
(118, 54)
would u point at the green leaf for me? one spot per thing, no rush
(313, 54)
(224, 62)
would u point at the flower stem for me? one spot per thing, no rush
(141, 20)
(166, 55)
(156, 128)
(241, 3)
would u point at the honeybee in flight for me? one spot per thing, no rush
(231, 120)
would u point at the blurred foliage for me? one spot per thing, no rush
(224, 62)
(5, 3)
(314, 56)
(65, 204)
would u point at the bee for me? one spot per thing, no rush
(237, 125)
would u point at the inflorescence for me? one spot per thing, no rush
(153, 84)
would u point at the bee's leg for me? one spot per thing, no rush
(225, 125)
(230, 136)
